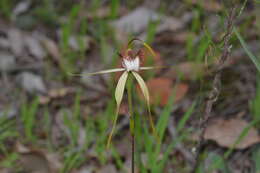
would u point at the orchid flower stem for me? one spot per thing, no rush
(132, 120)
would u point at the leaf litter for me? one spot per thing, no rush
(18, 44)
(227, 131)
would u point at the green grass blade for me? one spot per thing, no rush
(253, 58)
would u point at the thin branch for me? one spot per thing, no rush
(216, 85)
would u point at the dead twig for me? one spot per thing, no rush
(216, 85)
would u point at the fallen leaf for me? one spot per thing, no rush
(54, 94)
(4, 43)
(52, 48)
(213, 6)
(161, 89)
(85, 169)
(226, 132)
(176, 38)
(20, 8)
(180, 90)
(187, 70)
(6, 170)
(34, 46)
(136, 21)
(34, 162)
(169, 24)
(16, 41)
(37, 160)
(60, 92)
(109, 168)
(7, 61)
(31, 83)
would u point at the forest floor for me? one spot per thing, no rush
(205, 103)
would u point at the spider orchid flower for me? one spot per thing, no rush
(131, 64)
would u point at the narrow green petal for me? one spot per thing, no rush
(145, 45)
(119, 92)
(147, 68)
(155, 67)
(142, 86)
(99, 72)
(149, 48)
(120, 88)
(147, 98)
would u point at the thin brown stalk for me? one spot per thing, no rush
(216, 86)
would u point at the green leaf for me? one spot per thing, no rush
(156, 67)
(99, 72)
(147, 99)
(119, 92)
(248, 52)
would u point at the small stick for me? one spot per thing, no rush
(216, 86)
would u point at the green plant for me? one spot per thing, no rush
(256, 102)
(156, 163)
(252, 57)
(6, 8)
(28, 117)
(131, 65)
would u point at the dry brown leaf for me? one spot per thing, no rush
(226, 132)
(178, 38)
(34, 162)
(161, 89)
(16, 41)
(180, 90)
(34, 46)
(187, 70)
(136, 21)
(209, 5)
(54, 94)
(169, 24)
(107, 169)
(7, 61)
(31, 83)
(6, 170)
(52, 49)
(37, 160)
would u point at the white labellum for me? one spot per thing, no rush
(131, 64)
